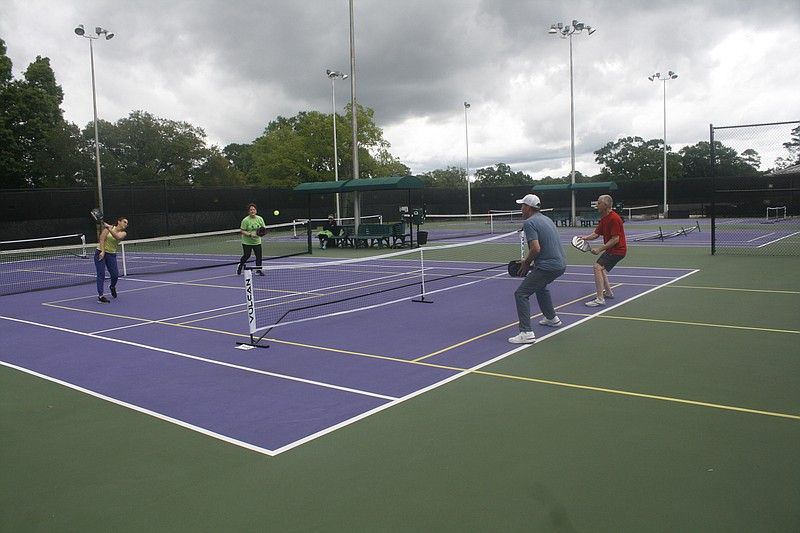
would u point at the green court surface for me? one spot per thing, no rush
(676, 412)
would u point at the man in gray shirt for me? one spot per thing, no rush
(546, 261)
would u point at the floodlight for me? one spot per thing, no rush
(79, 30)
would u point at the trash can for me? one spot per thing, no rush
(422, 237)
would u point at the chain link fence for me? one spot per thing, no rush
(756, 215)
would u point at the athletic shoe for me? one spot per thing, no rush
(259, 272)
(524, 337)
(113, 291)
(103, 300)
(323, 246)
(553, 323)
(609, 295)
(597, 302)
(239, 269)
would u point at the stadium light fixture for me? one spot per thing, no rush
(81, 32)
(335, 75)
(466, 136)
(567, 31)
(670, 76)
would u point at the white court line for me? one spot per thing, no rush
(392, 401)
(202, 359)
(779, 239)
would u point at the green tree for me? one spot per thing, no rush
(752, 158)
(218, 170)
(300, 149)
(549, 180)
(37, 147)
(452, 177)
(633, 158)
(793, 147)
(696, 161)
(240, 156)
(143, 147)
(500, 175)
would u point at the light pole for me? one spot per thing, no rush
(565, 31)
(335, 75)
(466, 136)
(98, 32)
(670, 76)
(353, 97)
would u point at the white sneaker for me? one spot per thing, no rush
(597, 302)
(554, 323)
(524, 337)
(609, 295)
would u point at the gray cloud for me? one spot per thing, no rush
(231, 67)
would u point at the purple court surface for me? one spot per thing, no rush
(167, 346)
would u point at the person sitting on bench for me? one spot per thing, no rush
(328, 230)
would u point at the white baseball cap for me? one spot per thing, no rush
(531, 200)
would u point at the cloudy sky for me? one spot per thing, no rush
(230, 67)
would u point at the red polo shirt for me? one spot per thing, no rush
(611, 225)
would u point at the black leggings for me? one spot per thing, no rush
(247, 249)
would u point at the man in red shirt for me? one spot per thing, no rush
(614, 248)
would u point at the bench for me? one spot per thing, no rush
(561, 218)
(371, 234)
(343, 239)
(399, 234)
(589, 218)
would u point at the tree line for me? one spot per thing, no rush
(39, 149)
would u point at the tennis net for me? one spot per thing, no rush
(290, 294)
(31, 269)
(644, 212)
(775, 214)
(34, 269)
(44, 242)
(453, 227)
(205, 250)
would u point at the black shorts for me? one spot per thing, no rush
(609, 261)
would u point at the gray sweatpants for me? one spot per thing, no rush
(535, 282)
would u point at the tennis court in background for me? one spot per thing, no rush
(685, 386)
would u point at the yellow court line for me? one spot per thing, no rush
(642, 395)
(420, 361)
(699, 324)
(733, 289)
(563, 384)
(501, 328)
(148, 321)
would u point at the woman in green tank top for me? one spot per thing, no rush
(105, 256)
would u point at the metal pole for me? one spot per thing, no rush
(466, 135)
(96, 136)
(335, 151)
(353, 94)
(564, 31)
(666, 207)
(572, 135)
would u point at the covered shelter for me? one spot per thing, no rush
(358, 186)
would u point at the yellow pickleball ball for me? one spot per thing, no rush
(276, 212)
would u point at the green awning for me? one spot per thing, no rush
(552, 187)
(320, 187)
(595, 185)
(374, 184)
